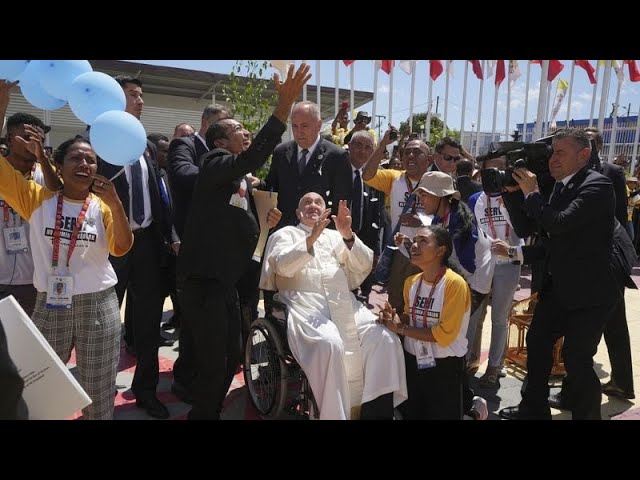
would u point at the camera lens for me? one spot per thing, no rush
(393, 135)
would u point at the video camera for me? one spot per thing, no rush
(532, 156)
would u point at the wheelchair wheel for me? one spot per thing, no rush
(265, 370)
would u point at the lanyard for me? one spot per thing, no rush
(426, 306)
(445, 218)
(74, 234)
(5, 211)
(492, 226)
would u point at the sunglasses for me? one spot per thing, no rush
(449, 158)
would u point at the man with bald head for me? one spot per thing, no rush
(308, 163)
(348, 358)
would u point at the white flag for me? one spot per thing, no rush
(281, 65)
(407, 66)
(514, 71)
(618, 69)
(450, 68)
(490, 67)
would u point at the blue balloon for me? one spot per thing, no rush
(11, 69)
(118, 137)
(57, 76)
(94, 93)
(33, 91)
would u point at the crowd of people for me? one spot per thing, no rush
(182, 222)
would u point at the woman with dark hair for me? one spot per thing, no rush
(434, 325)
(72, 233)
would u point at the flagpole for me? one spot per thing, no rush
(542, 101)
(304, 89)
(318, 84)
(604, 94)
(634, 155)
(413, 91)
(547, 112)
(526, 103)
(506, 129)
(475, 153)
(391, 96)
(352, 81)
(429, 100)
(446, 101)
(375, 92)
(614, 125)
(573, 67)
(593, 95)
(464, 106)
(336, 98)
(495, 111)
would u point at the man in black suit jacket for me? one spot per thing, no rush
(183, 158)
(139, 271)
(464, 184)
(220, 237)
(367, 203)
(578, 285)
(325, 170)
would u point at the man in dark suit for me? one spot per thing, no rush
(220, 237)
(308, 164)
(447, 154)
(139, 271)
(464, 184)
(367, 204)
(616, 331)
(183, 159)
(578, 285)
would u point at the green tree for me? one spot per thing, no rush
(249, 97)
(437, 127)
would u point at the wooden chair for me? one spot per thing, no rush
(519, 321)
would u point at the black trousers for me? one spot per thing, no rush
(211, 312)
(139, 272)
(582, 330)
(434, 393)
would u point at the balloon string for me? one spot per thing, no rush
(117, 175)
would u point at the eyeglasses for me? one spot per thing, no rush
(449, 158)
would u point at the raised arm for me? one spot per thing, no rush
(373, 163)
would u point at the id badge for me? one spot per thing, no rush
(424, 355)
(15, 240)
(59, 292)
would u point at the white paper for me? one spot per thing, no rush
(50, 390)
(265, 201)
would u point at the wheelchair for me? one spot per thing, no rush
(274, 379)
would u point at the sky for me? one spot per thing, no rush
(582, 91)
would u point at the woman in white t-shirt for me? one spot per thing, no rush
(72, 233)
(434, 325)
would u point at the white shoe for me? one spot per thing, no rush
(479, 408)
(503, 372)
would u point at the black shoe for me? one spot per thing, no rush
(518, 413)
(165, 342)
(171, 324)
(181, 392)
(613, 390)
(556, 400)
(154, 407)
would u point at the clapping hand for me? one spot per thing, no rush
(343, 220)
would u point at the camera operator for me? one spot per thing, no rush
(578, 286)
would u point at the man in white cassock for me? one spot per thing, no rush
(349, 359)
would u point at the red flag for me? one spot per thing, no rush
(386, 65)
(500, 73)
(555, 67)
(477, 68)
(348, 62)
(634, 72)
(435, 69)
(589, 69)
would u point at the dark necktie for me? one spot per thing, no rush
(302, 161)
(557, 188)
(137, 199)
(356, 204)
(163, 191)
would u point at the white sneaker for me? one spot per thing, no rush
(503, 372)
(479, 408)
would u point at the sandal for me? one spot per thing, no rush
(490, 378)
